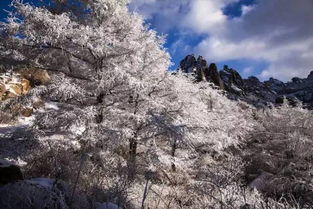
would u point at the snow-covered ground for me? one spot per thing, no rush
(107, 205)
(14, 138)
(48, 192)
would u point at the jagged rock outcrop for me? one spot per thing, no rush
(214, 76)
(275, 84)
(13, 85)
(251, 90)
(35, 76)
(310, 76)
(232, 80)
(301, 89)
(188, 64)
(257, 93)
(19, 82)
(200, 69)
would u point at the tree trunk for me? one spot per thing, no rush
(132, 158)
(174, 147)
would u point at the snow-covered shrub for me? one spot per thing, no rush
(279, 154)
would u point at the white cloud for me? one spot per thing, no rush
(180, 47)
(247, 71)
(204, 16)
(275, 31)
(246, 9)
(167, 13)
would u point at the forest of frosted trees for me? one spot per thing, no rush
(115, 126)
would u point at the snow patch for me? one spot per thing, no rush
(51, 106)
(7, 162)
(260, 181)
(45, 182)
(77, 129)
(61, 139)
(235, 88)
(2, 125)
(26, 121)
(107, 205)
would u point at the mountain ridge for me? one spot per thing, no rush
(251, 90)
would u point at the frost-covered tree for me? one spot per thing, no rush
(108, 70)
(115, 101)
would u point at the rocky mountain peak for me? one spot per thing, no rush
(231, 78)
(297, 80)
(310, 76)
(273, 81)
(188, 64)
(251, 90)
(214, 76)
(200, 69)
(201, 62)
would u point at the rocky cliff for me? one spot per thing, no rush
(251, 90)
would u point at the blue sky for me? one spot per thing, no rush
(264, 38)
(232, 10)
(3, 5)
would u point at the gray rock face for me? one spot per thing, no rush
(233, 82)
(251, 90)
(201, 71)
(301, 89)
(275, 85)
(310, 76)
(257, 93)
(188, 64)
(214, 76)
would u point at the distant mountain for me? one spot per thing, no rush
(251, 90)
